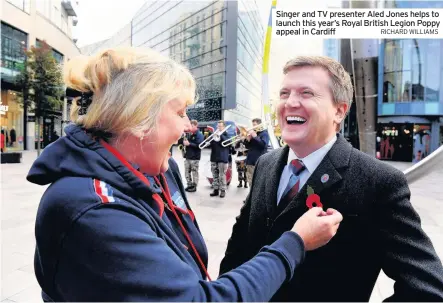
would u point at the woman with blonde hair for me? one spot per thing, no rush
(114, 224)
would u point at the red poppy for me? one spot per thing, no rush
(313, 200)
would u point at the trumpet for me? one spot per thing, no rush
(243, 134)
(214, 137)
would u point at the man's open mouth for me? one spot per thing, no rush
(295, 120)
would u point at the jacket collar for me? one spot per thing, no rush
(335, 161)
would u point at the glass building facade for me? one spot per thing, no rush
(410, 95)
(13, 45)
(410, 99)
(249, 64)
(221, 42)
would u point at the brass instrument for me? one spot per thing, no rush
(243, 134)
(182, 147)
(214, 137)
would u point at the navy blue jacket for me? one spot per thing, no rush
(102, 234)
(193, 152)
(218, 152)
(257, 147)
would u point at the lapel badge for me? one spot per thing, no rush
(324, 178)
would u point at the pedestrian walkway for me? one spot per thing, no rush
(19, 202)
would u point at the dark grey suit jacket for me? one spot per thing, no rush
(380, 230)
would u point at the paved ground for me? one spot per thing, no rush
(19, 202)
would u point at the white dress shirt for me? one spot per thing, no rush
(311, 162)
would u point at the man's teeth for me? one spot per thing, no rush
(295, 119)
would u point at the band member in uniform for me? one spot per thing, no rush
(219, 162)
(257, 145)
(192, 156)
(240, 161)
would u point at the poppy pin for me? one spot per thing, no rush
(313, 200)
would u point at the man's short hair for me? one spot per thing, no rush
(194, 122)
(222, 122)
(341, 84)
(256, 120)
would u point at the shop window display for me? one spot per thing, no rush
(422, 142)
(11, 121)
(395, 142)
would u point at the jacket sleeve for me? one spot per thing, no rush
(235, 253)
(111, 254)
(198, 140)
(408, 255)
(261, 140)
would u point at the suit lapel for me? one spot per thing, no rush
(275, 169)
(325, 176)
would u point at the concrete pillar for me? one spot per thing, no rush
(364, 53)
(30, 135)
(435, 135)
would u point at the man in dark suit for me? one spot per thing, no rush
(380, 229)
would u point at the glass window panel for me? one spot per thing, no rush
(13, 45)
(406, 87)
(393, 56)
(418, 57)
(182, 15)
(415, 4)
(389, 93)
(432, 68)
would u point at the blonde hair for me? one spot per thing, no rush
(341, 84)
(129, 86)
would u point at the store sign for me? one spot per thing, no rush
(390, 132)
(3, 109)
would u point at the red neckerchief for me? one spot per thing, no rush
(165, 190)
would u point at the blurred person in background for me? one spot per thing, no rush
(219, 161)
(191, 142)
(257, 145)
(240, 162)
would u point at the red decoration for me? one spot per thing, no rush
(313, 199)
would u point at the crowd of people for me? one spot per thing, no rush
(246, 149)
(320, 222)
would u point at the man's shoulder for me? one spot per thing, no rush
(372, 167)
(271, 157)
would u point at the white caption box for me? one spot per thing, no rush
(358, 23)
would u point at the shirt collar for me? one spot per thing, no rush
(313, 160)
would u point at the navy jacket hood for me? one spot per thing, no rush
(79, 155)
